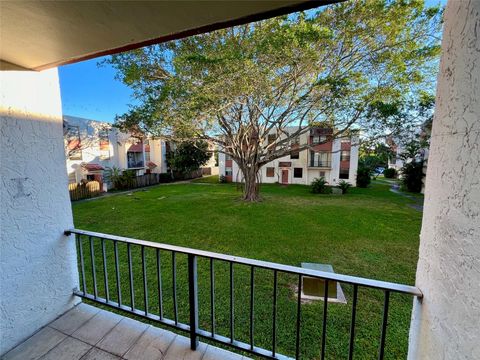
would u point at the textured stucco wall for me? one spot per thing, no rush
(446, 324)
(37, 263)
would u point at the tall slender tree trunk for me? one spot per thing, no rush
(251, 188)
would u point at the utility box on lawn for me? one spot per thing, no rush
(314, 288)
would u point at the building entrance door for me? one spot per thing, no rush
(284, 176)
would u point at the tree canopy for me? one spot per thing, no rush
(188, 156)
(353, 65)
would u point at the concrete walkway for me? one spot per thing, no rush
(88, 333)
(418, 202)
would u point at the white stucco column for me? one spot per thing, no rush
(334, 173)
(354, 152)
(446, 324)
(38, 267)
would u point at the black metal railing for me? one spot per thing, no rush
(132, 164)
(97, 242)
(320, 163)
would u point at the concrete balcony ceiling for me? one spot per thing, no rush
(38, 35)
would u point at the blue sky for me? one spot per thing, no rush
(91, 92)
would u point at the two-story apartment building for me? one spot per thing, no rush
(93, 146)
(334, 159)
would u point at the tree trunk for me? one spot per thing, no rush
(251, 188)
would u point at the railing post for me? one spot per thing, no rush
(193, 300)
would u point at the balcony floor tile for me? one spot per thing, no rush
(153, 344)
(37, 345)
(68, 349)
(95, 329)
(73, 319)
(87, 333)
(180, 349)
(122, 337)
(97, 354)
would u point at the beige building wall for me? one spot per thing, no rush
(156, 155)
(446, 324)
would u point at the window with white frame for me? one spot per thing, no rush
(345, 155)
(320, 158)
(318, 139)
(295, 141)
(344, 173)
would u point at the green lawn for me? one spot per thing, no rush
(369, 232)
(212, 179)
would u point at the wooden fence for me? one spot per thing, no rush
(146, 180)
(187, 176)
(91, 189)
(155, 178)
(84, 190)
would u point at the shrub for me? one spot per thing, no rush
(121, 179)
(412, 176)
(327, 190)
(319, 186)
(363, 177)
(127, 179)
(112, 175)
(389, 173)
(344, 186)
(165, 177)
(188, 157)
(223, 179)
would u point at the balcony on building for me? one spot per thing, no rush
(135, 156)
(107, 281)
(320, 159)
(47, 273)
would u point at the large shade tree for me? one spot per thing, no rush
(352, 65)
(416, 116)
(187, 157)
